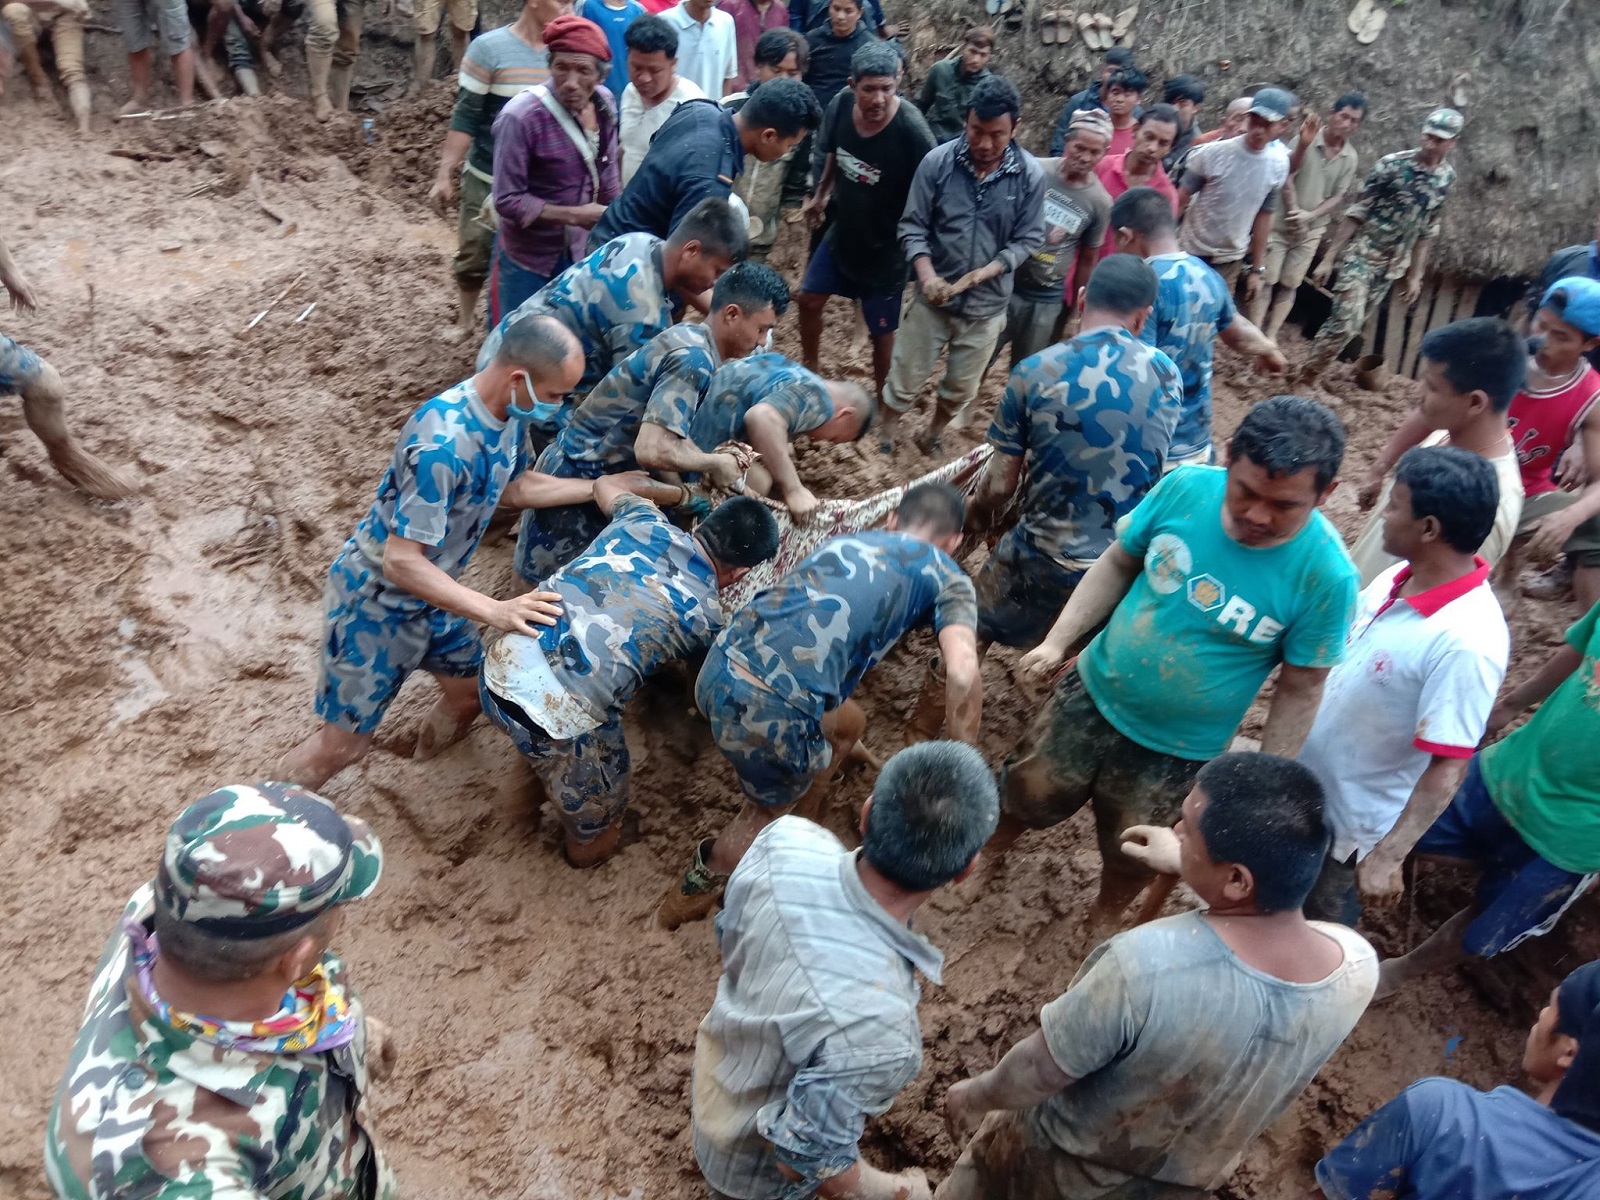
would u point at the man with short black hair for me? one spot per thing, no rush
(1405, 710)
(1218, 577)
(779, 54)
(161, 1098)
(814, 1027)
(699, 152)
(1193, 309)
(643, 594)
(708, 45)
(975, 214)
(1116, 57)
(1186, 94)
(1179, 1041)
(1120, 94)
(1582, 260)
(655, 88)
(777, 683)
(867, 153)
(1230, 189)
(948, 85)
(1141, 166)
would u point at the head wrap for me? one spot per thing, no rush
(574, 35)
(1091, 120)
(1578, 1016)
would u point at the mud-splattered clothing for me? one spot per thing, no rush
(814, 1027)
(19, 366)
(451, 464)
(153, 1110)
(800, 397)
(1208, 618)
(1193, 306)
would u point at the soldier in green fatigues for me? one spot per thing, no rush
(1385, 235)
(262, 1097)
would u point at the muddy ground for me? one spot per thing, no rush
(162, 646)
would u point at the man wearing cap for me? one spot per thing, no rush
(222, 1052)
(1583, 260)
(1230, 189)
(555, 165)
(1385, 236)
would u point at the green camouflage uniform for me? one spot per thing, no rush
(151, 1111)
(1399, 206)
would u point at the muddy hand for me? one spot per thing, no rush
(961, 1118)
(1380, 881)
(521, 613)
(1036, 667)
(801, 505)
(23, 298)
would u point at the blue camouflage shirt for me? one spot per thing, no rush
(642, 595)
(451, 464)
(770, 379)
(615, 301)
(1192, 307)
(811, 636)
(661, 383)
(1092, 419)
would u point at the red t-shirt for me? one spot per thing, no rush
(1111, 174)
(1121, 140)
(1543, 424)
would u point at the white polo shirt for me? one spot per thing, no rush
(1419, 677)
(707, 54)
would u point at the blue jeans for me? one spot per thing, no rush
(510, 284)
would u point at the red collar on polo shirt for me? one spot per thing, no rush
(1431, 601)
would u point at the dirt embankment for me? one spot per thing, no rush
(162, 646)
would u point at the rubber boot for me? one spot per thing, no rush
(78, 98)
(319, 64)
(339, 87)
(422, 59)
(248, 83)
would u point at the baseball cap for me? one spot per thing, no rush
(1582, 307)
(259, 859)
(1444, 123)
(1272, 103)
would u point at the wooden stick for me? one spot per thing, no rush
(142, 155)
(305, 314)
(256, 320)
(261, 201)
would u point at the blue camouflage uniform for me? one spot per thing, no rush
(801, 646)
(641, 596)
(1092, 418)
(660, 384)
(451, 464)
(19, 366)
(801, 396)
(1192, 307)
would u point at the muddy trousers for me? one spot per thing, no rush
(335, 29)
(924, 332)
(66, 38)
(1357, 295)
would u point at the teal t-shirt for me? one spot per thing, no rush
(1207, 619)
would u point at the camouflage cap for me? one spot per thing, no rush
(1444, 123)
(260, 859)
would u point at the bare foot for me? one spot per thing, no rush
(270, 63)
(322, 109)
(138, 104)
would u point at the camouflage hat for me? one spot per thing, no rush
(260, 859)
(1444, 123)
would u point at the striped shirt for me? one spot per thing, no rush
(815, 1025)
(496, 67)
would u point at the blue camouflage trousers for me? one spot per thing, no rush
(19, 366)
(549, 538)
(586, 777)
(374, 636)
(776, 750)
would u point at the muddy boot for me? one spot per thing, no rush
(339, 87)
(423, 52)
(584, 855)
(247, 81)
(78, 98)
(88, 474)
(319, 65)
(698, 893)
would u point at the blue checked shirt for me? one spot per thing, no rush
(815, 1025)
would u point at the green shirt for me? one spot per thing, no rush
(1543, 777)
(1207, 619)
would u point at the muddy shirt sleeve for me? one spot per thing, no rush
(1456, 699)
(680, 383)
(1378, 1156)
(957, 602)
(1136, 529)
(1093, 1022)
(1316, 637)
(1008, 431)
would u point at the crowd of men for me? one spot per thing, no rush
(1153, 572)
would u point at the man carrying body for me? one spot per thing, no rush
(975, 214)
(1405, 710)
(1193, 309)
(1179, 1041)
(655, 89)
(640, 414)
(708, 46)
(392, 603)
(1220, 575)
(555, 166)
(1469, 371)
(499, 65)
(222, 1050)
(44, 399)
(642, 595)
(765, 400)
(867, 153)
(1116, 58)
(777, 683)
(29, 21)
(1076, 209)
(814, 1027)
(1385, 235)
(779, 54)
(1230, 189)
(949, 83)
(1322, 172)
(699, 152)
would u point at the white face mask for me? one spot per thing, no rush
(538, 412)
